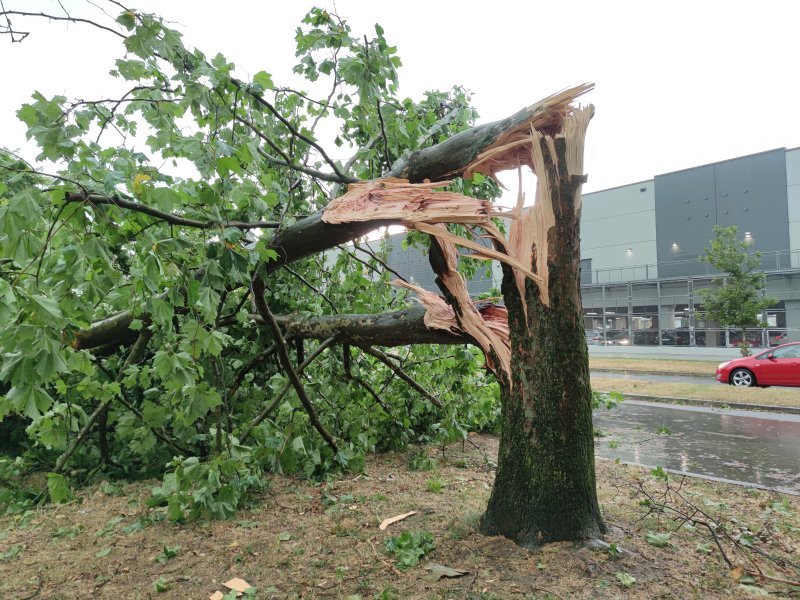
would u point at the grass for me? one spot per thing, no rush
(695, 391)
(679, 367)
(295, 546)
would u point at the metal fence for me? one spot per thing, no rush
(769, 262)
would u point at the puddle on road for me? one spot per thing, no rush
(742, 447)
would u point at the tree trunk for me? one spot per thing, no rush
(544, 490)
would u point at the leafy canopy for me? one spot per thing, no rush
(148, 202)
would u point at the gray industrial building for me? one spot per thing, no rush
(641, 275)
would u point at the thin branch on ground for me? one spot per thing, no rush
(135, 355)
(674, 505)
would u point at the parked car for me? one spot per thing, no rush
(682, 337)
(617, 338)
(776, 366)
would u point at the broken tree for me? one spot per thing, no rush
(165, 313)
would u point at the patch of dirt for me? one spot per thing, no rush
(306, 540)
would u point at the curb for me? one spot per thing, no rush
(789, 410)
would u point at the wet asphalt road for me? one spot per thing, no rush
(745, 447)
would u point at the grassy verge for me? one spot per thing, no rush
(679, 367)
(722, 393)
(322, 541)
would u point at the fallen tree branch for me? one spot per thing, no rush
(311, 235)
(397, 328)
(286, 363)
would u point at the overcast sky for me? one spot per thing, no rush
(679, 84)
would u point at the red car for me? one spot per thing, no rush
(776, 366)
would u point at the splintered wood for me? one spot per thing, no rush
(512, 148)
(398, 200)
(485, 322)
(530, 139)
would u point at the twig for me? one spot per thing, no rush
(97, 199)
(285, 388)
(18, 13)
(379, 260)
(249, 367)
(286, 363)
(295, 133)
(401, 374)
(311, 286)
(134, 356)
(160, 434)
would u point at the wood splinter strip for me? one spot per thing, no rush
(407, 203)
(492, 334)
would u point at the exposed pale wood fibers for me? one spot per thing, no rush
(511, 149)
(438, 313)
(422, 207)
(486, 322)
(575, 134)
(407, 203)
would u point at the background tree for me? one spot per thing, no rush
(737, 300)
(174, 306)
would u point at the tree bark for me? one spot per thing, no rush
(398, 328)
(544, 490)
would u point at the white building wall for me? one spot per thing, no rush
(618, 230)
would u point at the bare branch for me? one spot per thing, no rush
(295, 133)
(17, 13)
(311, 286)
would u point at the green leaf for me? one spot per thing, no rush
(30, 400)
(660, 540)
(127, 19)
(164, 198)
(45, 308)
(57, 488)
(263, 79)
(174, 509)
(227, 165)
(161, 585)
(625, 579)
(161, 310)
(104, 552)
(207, 301)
